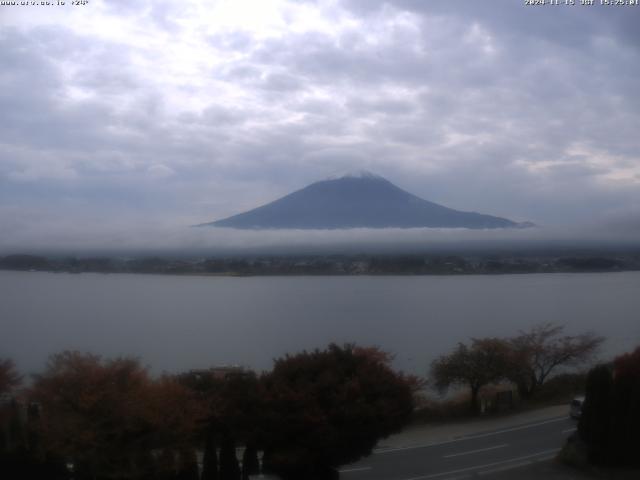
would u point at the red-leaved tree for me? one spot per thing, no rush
(330, 407)
(106, 416)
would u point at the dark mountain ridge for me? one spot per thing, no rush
(357, 201)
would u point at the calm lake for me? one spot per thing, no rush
(176, 323)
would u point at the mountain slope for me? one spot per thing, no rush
(365, 200)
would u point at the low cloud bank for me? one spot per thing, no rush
(161, 238)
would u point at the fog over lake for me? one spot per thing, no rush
(176, 323)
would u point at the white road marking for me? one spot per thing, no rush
(505, 468)
(355, 469)
(569, 430)
(475, 451)
(470, 437)
(479, 467)
(515, 465)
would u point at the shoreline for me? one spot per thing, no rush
(332, 265)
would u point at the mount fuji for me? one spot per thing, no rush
(360, 200)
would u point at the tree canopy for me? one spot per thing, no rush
(485, 361)
(9, 377)
(107, 415)
(543, 349)
(527, 360)
(330, 407)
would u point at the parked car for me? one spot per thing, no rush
(575, 407)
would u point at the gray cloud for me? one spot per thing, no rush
(521, 112)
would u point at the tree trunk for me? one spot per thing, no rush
(250, 463)
(166, 466)
(523, 390)
(210, 459)
(188, 464)
(229, 467)
(474, 399)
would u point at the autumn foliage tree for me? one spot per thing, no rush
(540, 351)
(485, 361)
(12, 432)
(528, 360)
(232, 402)
(106, 416)
(9, 377)
(232, 411)
(20, 455)
(330, 407)
(10, 425)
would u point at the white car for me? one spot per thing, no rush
(575, 407)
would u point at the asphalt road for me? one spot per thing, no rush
(484, 455)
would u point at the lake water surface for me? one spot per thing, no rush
(176, 323)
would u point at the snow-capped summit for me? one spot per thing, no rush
(364, 174)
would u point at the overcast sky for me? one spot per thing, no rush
(120, 115)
